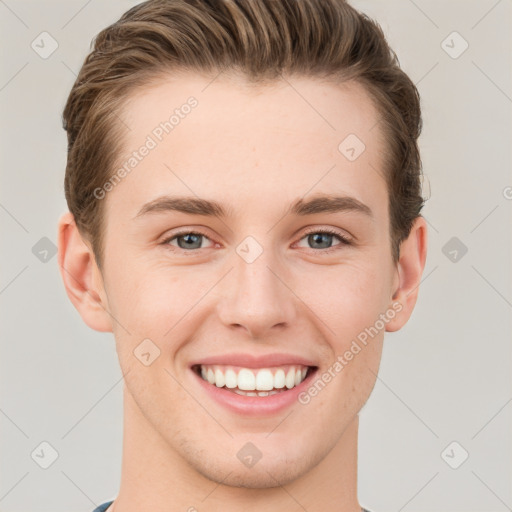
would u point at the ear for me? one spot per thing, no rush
(413, 254)
(81, 276)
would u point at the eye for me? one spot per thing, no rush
(323, 237)
(186, 240)
(189, 240)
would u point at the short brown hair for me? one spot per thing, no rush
(259, 38)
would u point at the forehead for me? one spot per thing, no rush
(220, 137)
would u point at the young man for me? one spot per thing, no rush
(243, 181)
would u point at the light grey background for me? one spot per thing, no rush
(446, 376)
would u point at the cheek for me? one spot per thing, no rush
(157, 309)
(157, 301)
(153, 298)
(346, 298)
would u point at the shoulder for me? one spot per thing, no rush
(103, 507)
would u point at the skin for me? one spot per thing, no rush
(255, 150)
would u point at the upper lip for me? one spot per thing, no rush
(252, 361)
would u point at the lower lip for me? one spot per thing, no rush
(254, 405)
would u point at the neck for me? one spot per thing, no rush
(155, 477)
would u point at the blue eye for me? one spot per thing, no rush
(322, 237)
(189, 240)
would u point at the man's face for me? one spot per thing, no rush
(260, 281)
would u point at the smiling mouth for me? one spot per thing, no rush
(254, 382)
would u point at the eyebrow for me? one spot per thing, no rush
(198, 206)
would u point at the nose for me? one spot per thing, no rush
(256, 297)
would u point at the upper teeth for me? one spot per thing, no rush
(247, 379)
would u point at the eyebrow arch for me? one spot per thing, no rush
(191, 205)
(197, 206)
(329, 204)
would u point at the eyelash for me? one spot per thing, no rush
(343, 239)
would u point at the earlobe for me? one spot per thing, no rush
(413, 254)
(81, 276)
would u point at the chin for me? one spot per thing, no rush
(263, 475)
